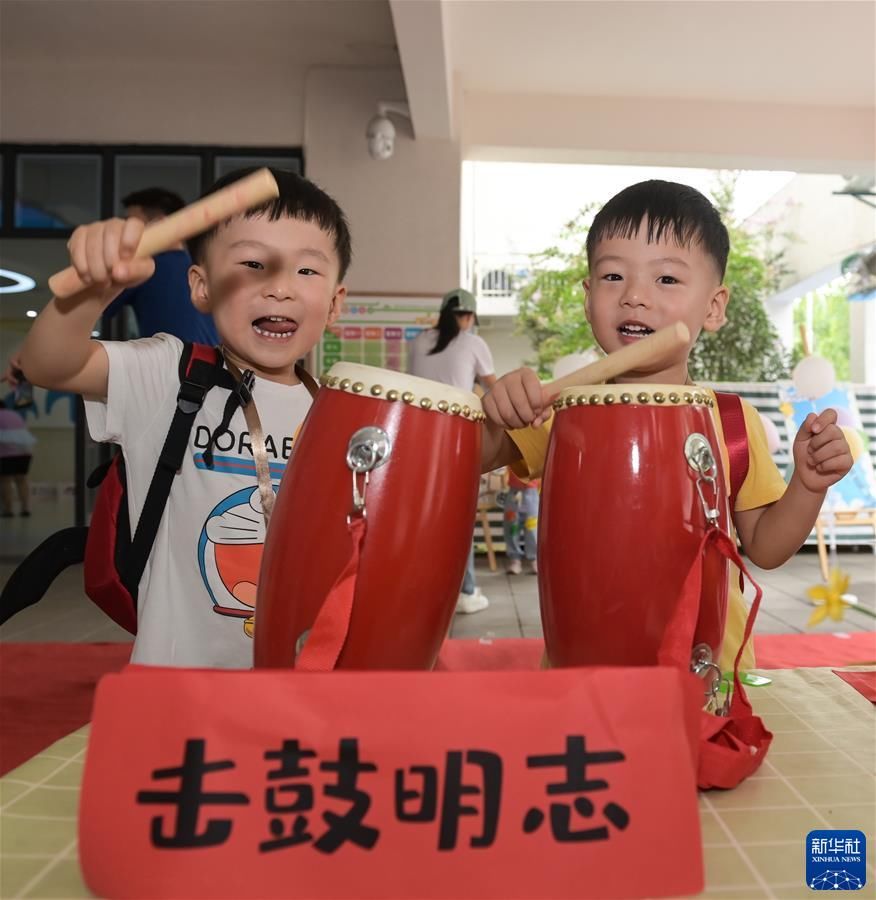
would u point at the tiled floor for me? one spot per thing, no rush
(785, 608)
(66, 614)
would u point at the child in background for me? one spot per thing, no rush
(521, 514)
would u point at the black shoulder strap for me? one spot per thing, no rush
(200, 368)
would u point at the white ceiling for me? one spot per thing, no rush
(301, 32)
(772, 51)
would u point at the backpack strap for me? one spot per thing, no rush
(736, 441)
(307, 380)
(200, 368)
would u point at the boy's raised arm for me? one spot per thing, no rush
(58, 352)
(771, 535)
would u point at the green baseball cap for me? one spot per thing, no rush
(465, 301)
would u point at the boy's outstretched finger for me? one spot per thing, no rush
(94, 251)
(133, 271)
(822, 420)
(500, 409)
(826, 436)
(526, 410)
(78, 255)
(533, 389)
(131, 234)
(112, 236)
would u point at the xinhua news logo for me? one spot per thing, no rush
(836, 860)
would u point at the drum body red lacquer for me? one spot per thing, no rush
(420, 506)
(621, 522)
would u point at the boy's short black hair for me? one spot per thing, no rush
(298, 199)
(154, 201)
(673, 210)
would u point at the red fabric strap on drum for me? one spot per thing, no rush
(326, 640)
(732, 747)
(736, 441)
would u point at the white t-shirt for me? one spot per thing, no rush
(465, 358)
(199, 584)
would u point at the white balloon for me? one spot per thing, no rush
(814, 376)
(772, 433)
(565, 365)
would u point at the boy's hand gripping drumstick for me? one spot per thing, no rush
(254, 190)
(650, 352)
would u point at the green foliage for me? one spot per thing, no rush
(747, 348)
(551, 309)
(825, 314)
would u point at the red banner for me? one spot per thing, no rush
(565, 783)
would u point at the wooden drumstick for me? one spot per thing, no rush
(254, 190)
(649, 352)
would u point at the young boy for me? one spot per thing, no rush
(657, 253)
(273, 281)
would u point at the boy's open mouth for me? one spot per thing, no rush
(634, 330)
(276, 327)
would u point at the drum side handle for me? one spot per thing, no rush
(368, 449)
(699, 456)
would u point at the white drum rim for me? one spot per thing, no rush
(635, 394)
(385, 384)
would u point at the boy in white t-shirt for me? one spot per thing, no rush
(273, 281)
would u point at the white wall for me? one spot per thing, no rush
(824, 228)
(235, 103)
(638, 131)
(404, 211)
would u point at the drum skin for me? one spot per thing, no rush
(420, 512)
(619, 526)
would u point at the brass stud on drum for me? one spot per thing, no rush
(659, 397)
(466, 411)
(581, 400)
(698, 398)
(674, 398)
(688, 397)
(376, 390)
(455, 409)
(443, 406)
(392, 395)
(609, 399)
(594, 399)
(358, 387)
(345, 383)
(426, 403)
(626, 398)
(407, 397)
(643, 397)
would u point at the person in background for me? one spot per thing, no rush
(452, 354)
(162, 305)
(521, 512)
(16, 444)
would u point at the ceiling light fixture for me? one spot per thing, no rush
(20, 283)
(31, 314)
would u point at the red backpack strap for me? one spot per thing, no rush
(736, 441)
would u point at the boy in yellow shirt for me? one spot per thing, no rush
(657, 254)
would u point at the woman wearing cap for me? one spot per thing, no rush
(452, 354)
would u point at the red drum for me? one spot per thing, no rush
(633, 479)
(418, 443)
